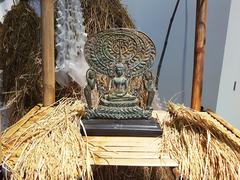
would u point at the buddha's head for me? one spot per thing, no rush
(148, 75)
(119, 69)
(91, 74)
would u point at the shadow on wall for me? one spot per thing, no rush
(176, 73)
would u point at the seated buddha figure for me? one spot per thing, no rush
(118, 91)
(117, 57)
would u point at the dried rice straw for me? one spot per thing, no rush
(51, 147)
(47, 144)
(204, 147)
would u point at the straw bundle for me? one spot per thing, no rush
(20, 58)
(46, 144)
(204, 147)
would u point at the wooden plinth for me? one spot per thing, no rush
(128, 151)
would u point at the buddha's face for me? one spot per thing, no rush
(119, 71)
(148, 76)
(92, 75)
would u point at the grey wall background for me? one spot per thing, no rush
(152, 17)
(229, 99)
(218, 15)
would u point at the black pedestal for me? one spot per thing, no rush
(132, 127)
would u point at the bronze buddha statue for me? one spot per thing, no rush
(120, 54)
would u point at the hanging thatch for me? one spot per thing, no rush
(104, 14)
(21, 60)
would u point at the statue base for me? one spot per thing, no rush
(119, 113)
(127, 127)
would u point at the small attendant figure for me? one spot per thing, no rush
(149, 86)
(91, 82)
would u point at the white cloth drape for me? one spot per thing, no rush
(70, 41)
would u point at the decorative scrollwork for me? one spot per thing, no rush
(132, 48)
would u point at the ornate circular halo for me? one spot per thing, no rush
(128, 46)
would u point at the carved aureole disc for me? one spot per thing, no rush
(132, 48)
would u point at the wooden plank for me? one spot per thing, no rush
(123, 149)
(126, 155)
(128, 151)
(199, 53)
(105, 141)
(167, 162)
(48, 52)
(124, 144)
